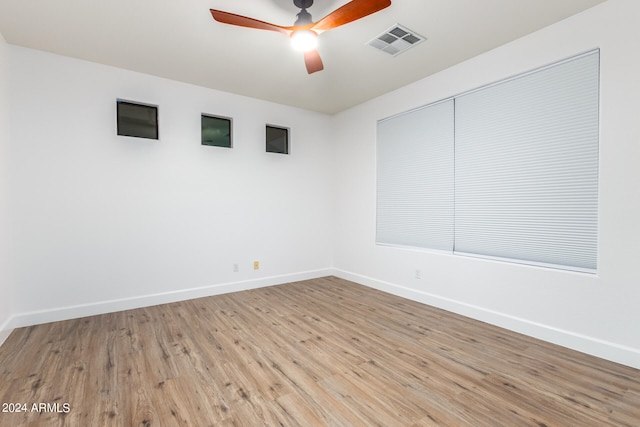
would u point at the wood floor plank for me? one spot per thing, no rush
(323, 352)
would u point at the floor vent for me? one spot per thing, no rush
(396, 40)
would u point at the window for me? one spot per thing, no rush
(216, 131)
(524, 161)
(415, 178)
(277, 139)
(137, 120)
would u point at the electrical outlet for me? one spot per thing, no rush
(256, 265)
(418, 274)
(236, 268)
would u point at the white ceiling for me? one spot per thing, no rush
(178, 39)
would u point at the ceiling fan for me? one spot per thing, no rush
(304, 31)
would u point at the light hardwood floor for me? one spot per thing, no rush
(314, 353)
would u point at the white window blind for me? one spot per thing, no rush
(415, 178)
(508, 171)
(526, 167)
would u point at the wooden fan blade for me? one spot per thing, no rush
(243, 21)
(312, 61)
(350, 12)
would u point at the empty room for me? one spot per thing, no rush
(320, 213)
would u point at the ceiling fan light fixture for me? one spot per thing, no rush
(304, 40)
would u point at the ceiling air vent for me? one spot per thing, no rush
(396, 40)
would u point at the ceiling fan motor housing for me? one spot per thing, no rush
(304, 18)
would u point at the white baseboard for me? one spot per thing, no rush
(606, 350)
(5, 331)
(73, 312)
(593, 346)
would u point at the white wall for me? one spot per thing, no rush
(104, 222)
(597, 314)
(6, 283)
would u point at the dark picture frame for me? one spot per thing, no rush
(216, 131)
(277, 139)
(136, 119)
